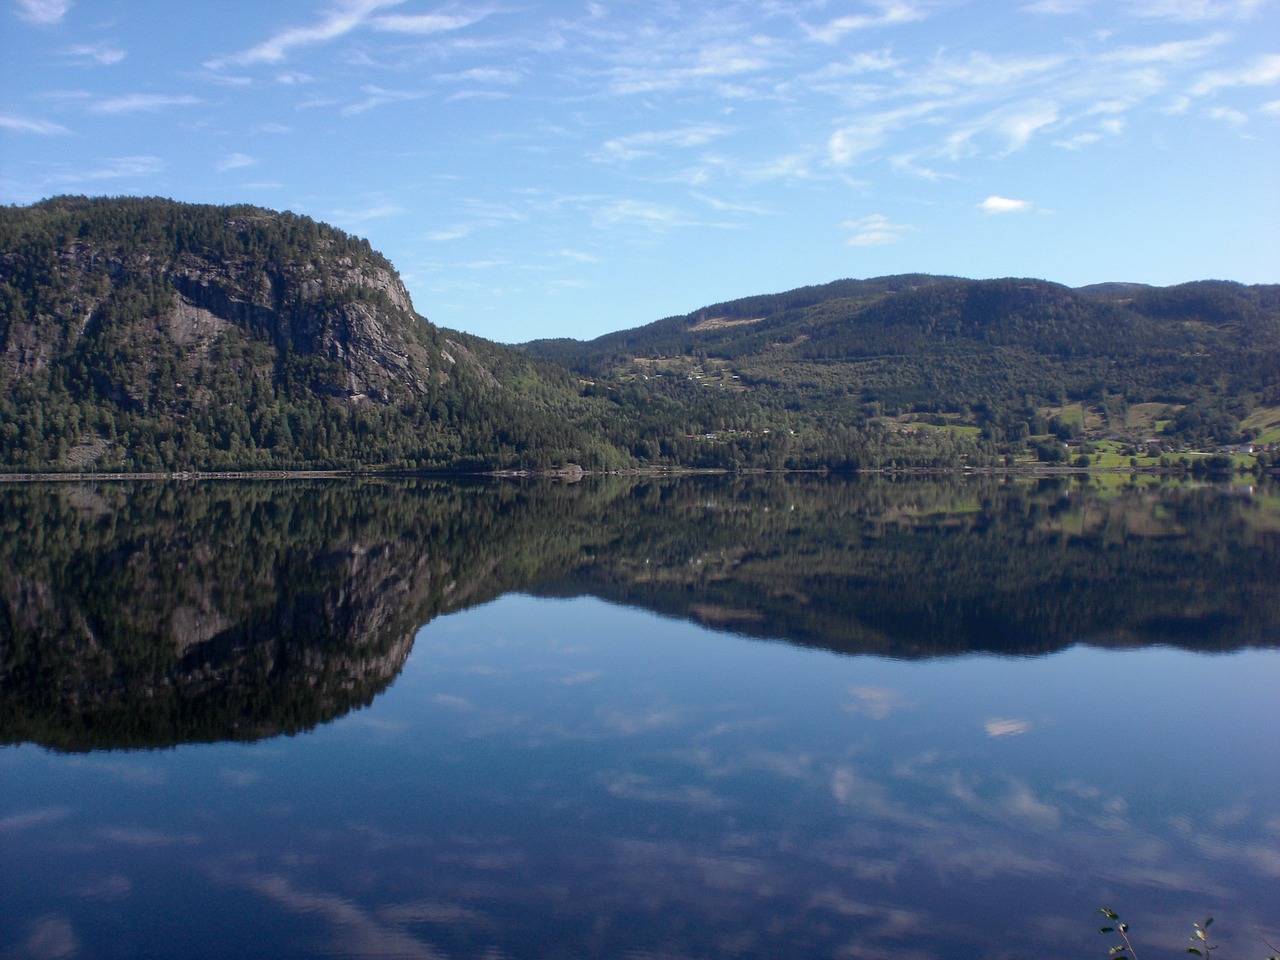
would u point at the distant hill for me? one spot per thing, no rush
(147, 334)
(1004, 356)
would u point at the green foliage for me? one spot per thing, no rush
(1001, 352)
(139, 334)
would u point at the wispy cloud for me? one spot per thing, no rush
(378, 97)
(711, 64)
(1193, 10)
(235, 161)
(1174, 52)
(27, 125)
(42, 11)
(1229, 115)
(1020, 126)
(889, 13)
(1263, 72)
(337, 22)
(377, 212)
(1058, 7)
(481, 75)
(114, 169)
(868, 133)
(426, 23)
(452, 233)
(341, 20)
(872, 231)
(639, 213)
(144, 103)
(94, 54)
(635, 145)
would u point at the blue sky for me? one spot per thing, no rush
(570, 168)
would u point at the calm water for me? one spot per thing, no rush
(683, 719)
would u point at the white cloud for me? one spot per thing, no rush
(1263, 72)
(453, 233)
(101, 54)
(481, 75)
(339, 21)
(1079, 140)
(378, 97)
(872, 231)
(1271, 108)
(635, 145)
(639, 213)
(906, 163)
(1021, 127)
(1192, 10)
(1058, 7)
(577, 256)
(376, 212)
(42, 11)
(425, 23)
(235, 161)
(115, 169)
(1177, 51)
(1229, 115)
(710, 64)
(980, 69)
(998, 204)
(25, 125)
(872, 131)
(144, 103)
(891, 12)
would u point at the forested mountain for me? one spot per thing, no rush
(1002, 355)
(145, 334)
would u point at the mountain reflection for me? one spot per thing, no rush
(151, 614)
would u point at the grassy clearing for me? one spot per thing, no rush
(1146, 418)
(1265, 424)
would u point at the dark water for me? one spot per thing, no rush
(698, 718)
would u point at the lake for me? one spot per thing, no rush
(767, 717)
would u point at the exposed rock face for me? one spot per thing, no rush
(309, 300)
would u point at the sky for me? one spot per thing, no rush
(547, 168)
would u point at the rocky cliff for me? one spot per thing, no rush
(149, 334)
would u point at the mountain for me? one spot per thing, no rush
(148, 334)
(1004, 356)
(142, 334)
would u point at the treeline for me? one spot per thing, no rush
(140, 334)
(997, 352)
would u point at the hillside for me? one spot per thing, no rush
(146, 334)
(1004, 357)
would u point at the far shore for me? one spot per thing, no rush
(574, 473)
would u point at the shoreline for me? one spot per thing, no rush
(575, 474)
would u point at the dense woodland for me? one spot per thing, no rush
(140, 334)
(145, 614)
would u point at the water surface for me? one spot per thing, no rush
(679, 719)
